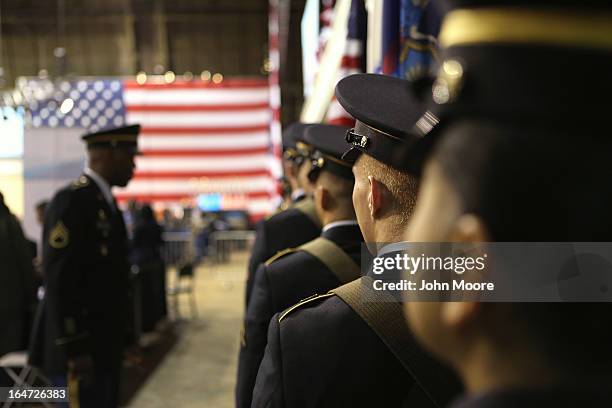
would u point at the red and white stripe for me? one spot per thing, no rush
(197, 138)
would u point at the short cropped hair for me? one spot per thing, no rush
(341, 188)
(402, 186)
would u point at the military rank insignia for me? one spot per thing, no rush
(59, 236)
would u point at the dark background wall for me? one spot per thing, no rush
(123, 37)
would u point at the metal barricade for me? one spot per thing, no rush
(223, 243)
(178, 248)
(179, 256)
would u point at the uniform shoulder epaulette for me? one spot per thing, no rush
(280, 254)
(273, 214)
(282, 208)
(79, 183)
(303, 302)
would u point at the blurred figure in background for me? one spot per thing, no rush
(17, 288)
(129, 216)
(285, 193)
(40, 210)
(147, 246)
(87, 271)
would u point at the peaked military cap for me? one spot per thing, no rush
(125, 137)
(386, 109)
(328, 142)
(530, 66)
(292, 135)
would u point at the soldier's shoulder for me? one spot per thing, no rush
(288, 261)
(281, 216)
(284, 257)
(76, 187)
(74, 193)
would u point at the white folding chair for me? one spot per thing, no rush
(15, 365)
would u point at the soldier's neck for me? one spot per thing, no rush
(387, 231)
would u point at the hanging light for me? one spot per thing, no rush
(217, 78)
(205, 76)
(169, 77)
(141, 78)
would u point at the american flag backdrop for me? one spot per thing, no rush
(198, 137)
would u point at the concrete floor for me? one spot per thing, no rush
(200, 371)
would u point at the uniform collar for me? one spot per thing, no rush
(102, 185)
(336, 224)
(393, 247)
(345, 232)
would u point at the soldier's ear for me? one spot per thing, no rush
(374, 197)
(321, 196)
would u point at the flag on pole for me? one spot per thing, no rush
(390, 38)
(419, 27)
(197, 137)
(325, 23)
(273, 68)
(353, 60)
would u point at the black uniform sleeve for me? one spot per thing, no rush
(259, 312)
(259, 255)
(269, 386)
(24, 258)
(64, 249)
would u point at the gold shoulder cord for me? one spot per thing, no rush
(304, 302)
(279, 255)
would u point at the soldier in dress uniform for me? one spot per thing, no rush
(86, 270)
(293, 158)
(519, 152)
(296, 225)
(346, 347)
(315, 267)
